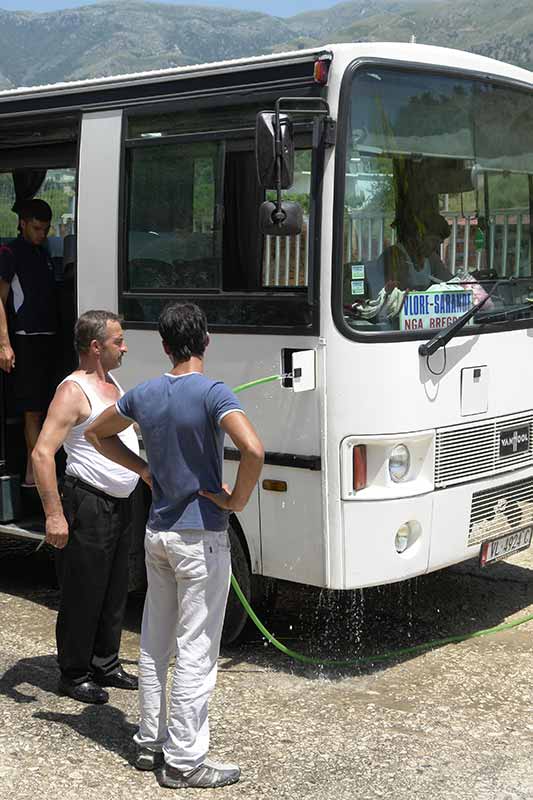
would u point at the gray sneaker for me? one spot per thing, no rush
(208, 775)
(147, 759)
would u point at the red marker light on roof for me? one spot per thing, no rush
(321, 70)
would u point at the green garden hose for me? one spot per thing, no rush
(329, 662)
(257, 382)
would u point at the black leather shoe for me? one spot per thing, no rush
(119, 679)
(147, 760)
(86, 692)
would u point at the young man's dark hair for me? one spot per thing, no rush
(35, 209)
(183, 328)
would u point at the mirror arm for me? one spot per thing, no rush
(278, 215)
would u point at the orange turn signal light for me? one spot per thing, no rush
(359, 467)
(320, 71)
(275, 486)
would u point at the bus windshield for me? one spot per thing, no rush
(438, 196)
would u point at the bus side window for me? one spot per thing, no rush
(173, 233)
(193, 226)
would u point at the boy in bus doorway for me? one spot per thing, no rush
(29, 310)
(183, 416)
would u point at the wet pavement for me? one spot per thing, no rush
(454, 722)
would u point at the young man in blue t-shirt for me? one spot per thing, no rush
(183, 417)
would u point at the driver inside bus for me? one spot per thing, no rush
(414, 262)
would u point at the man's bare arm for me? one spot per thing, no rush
(64, 412)
(7, 356)
(102, 434)
(242, 434)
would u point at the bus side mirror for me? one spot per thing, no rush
(265, 150)
(287, 220)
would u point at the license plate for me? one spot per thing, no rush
(505, 546)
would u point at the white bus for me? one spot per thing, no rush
(406, 453)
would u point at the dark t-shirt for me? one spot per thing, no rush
(179, 417)
(31, 304)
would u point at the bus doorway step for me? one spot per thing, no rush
(25, 528)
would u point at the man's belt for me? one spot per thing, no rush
(73, 482)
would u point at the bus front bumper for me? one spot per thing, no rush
(435, 530)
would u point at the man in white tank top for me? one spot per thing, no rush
(90, 528)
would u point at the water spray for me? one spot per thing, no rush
(361, 661)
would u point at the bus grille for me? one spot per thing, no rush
(497, 512)
(478, 450)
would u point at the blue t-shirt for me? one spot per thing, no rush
(179, 417)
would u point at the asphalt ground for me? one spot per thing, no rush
(455, 722)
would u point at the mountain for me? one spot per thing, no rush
(127, 36)
(120, 36)
(503, 31)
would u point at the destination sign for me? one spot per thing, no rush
(433, 310)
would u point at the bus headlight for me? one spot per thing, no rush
(401, 541)
(399, 463)
(406, 535)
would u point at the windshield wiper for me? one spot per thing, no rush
(506, 313)
(443, 337)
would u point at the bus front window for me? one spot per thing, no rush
(437, 197)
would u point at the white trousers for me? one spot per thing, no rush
(188, 582)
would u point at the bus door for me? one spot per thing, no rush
(38, 159)
(201, 241)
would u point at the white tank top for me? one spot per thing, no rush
(86, 463)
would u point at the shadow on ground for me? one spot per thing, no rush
(106, 725)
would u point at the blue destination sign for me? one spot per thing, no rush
(433, 310)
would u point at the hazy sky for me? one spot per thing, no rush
(280, 8)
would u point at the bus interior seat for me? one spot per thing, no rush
(375, 278)
(150, 273)
(69, 250)
(199, 273)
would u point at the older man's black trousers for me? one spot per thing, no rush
(93, 576)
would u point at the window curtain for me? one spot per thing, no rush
(242, 241)
(27, 183)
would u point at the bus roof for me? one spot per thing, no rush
(400, 51)
(170, 72)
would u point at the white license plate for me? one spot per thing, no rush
(505, 546)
